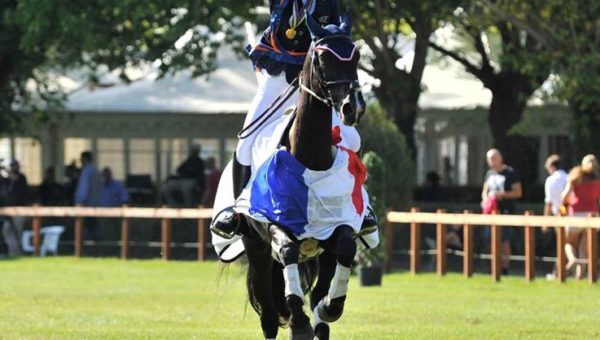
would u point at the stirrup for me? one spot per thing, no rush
(226, 224)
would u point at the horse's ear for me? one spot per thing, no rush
(346, 24)
(316, 31)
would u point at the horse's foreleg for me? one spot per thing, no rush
(331, 307)
(289, 255)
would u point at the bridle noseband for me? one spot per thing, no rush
(324, 84)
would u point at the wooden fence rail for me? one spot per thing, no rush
(468, 220)
(166, 215)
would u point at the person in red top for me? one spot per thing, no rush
(582, 195)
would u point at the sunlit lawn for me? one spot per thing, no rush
(109, 298)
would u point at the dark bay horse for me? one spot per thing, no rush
(282, 269)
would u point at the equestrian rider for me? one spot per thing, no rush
(278, 58)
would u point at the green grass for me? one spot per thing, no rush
(109, 298)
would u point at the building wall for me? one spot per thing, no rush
(130, 143)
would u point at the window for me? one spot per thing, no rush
(28, 152)
(230, 146)
(142, 157)
(111, 153)
(4, 153)
(74, 147)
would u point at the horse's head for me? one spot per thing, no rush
(332, 63)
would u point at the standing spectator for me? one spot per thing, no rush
(553, 189)
(89, 192)
(50, 192)
(502, 184)
(189, 181)
(70, 186)
(17, 194)
(582, 195)
(212, 182)
(114, 193)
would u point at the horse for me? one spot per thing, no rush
(281, 268)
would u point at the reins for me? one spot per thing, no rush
(270, 111)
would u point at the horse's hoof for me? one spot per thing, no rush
(322, 331)
(302, 333)
(332, 312)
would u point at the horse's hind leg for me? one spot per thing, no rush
(330, 308)
(289, 255)
(259, 284)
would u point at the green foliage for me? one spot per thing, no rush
(377, 187)
(38, 37)
(390, 183)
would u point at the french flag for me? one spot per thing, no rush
(310, 204)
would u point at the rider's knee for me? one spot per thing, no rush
(289, 253)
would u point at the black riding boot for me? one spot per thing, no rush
(370, 220)
(226, 224)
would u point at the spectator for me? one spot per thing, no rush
(553, 188)
(554, 185)
(432, 189)
(212, 182)
(582, 195)
(114, 193)
(189, 181)
(17, 194)
(89, 192)
(502, 184)
(50, 192)
(71, 180)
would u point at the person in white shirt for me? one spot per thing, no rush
(553, 188)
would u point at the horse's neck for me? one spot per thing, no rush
(310, 135)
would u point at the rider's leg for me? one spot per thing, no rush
(351, 140)
(269, 88)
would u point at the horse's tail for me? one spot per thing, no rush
(308, 274)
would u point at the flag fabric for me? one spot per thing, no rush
(308, 203)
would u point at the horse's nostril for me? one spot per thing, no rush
(348, 109)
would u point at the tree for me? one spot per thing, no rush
(39, 37)
(569, 30)
(385, 26)
(512, 69)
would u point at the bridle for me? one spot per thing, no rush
(324, 84)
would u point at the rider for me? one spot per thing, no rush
(278, 60)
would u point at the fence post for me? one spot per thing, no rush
(166, 238)
(468, 248)
(496, 254)
(389, 243)
(36, 227)
(78, 236)
(441, 246)
(592, 248)
(415, 245)
(529, 250)
(201, 238)
(560, 254)
(125, 238)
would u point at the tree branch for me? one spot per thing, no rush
(461, 59)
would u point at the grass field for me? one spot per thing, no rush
(109, 298)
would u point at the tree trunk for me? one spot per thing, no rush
(509, 100)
